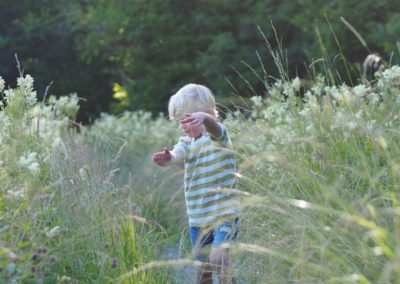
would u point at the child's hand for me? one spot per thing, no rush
(194, 119)
(162, 158)
(200, 119)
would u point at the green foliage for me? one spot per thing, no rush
(152, 48)
(318, 174)
(323, 176)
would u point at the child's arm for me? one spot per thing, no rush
(209, 122)
(167, 157)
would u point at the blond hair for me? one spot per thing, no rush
(191, 98)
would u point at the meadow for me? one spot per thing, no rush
(319, 172)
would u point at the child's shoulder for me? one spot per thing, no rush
(184, 139)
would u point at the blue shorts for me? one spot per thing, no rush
(201, 239)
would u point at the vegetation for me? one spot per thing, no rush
(319, 166)
(319, 175)
(152, 48)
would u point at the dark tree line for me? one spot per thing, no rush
(151, 48)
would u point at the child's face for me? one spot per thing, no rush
(192, 131)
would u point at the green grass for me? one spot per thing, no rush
(319, 177)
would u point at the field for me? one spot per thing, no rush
(319, 175)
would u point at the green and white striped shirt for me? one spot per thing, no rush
(210, 169)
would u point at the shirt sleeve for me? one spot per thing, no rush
(181, 149)
(224, 138)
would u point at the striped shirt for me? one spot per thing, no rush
(210, 168)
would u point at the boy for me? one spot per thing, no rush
(210, 169)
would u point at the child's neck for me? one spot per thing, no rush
(198, 137)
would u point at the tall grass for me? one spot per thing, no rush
(318, 177)
(323, 171)
(78, 206)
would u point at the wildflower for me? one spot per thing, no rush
(9, 95)
(332, 91)
(25, 82)
(20, 194)
(27, 160)
(301, 203)
(56, 143)
(257, 100)
(53, 232)
(377, 251)
(26, 85)
(358, 114)
(351, 125)
(83, 173)
(30, 162)
(304, 112)
(360, 90)
(65, 279)
(390, 76)
(34, 168)
(296, 84)
(2, 84)
(373, 98)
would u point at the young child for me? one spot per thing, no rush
(209, 177)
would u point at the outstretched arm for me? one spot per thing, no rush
(203, 118)
(166, 157)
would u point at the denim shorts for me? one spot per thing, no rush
(201, 239)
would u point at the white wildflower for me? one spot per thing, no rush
(377, 251)
(373, 98)
(345, 95)
(56, 143)
(25, 82)
(301, 203)
(82, 173)
(318, 85)
(313, 104)
(2, 84)
(390, 76)
(358, 114)
(305, 111)
(296, 84)
(34, 168)
(332, 91)
(53, 232)
(257, 100)
(360, 90)
(30, 162)
(20, 194)
(351, 125)
(31, 98)
(310, 128)
(9, 95)
(371, 124)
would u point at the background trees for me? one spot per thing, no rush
(151, 48)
